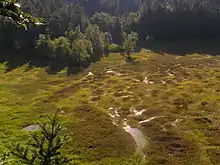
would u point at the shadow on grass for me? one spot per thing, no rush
(181, 48)
(34, 59)
(131, 60)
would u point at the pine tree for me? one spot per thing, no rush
(45, 146)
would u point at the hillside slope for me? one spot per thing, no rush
(178, 96)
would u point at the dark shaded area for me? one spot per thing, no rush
(177, 47)
(194, 24)
(131, 60)
(33, 59)
(114, 7)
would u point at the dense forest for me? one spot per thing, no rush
(100, 23)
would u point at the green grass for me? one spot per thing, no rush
(185, 90)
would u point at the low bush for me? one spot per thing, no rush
(114, 48)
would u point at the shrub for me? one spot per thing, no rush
(44, 147)
(114, 48)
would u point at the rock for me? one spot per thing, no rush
(173, 124)
(178, 121)
(32, 128)
(116, 113)
(90, 74)
(127, 97)
(140, 112)
(171, 75)
(136, 112)
(118, 74)
(111, 108)
(164, 82)
(111, 115)
(136, 80)
(110, 72)
(113, 73)
(146, 80)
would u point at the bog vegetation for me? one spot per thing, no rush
(110, 64)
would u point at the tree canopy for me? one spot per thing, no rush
(99, 23)
(12, 9)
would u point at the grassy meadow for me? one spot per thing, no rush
(184, 91)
